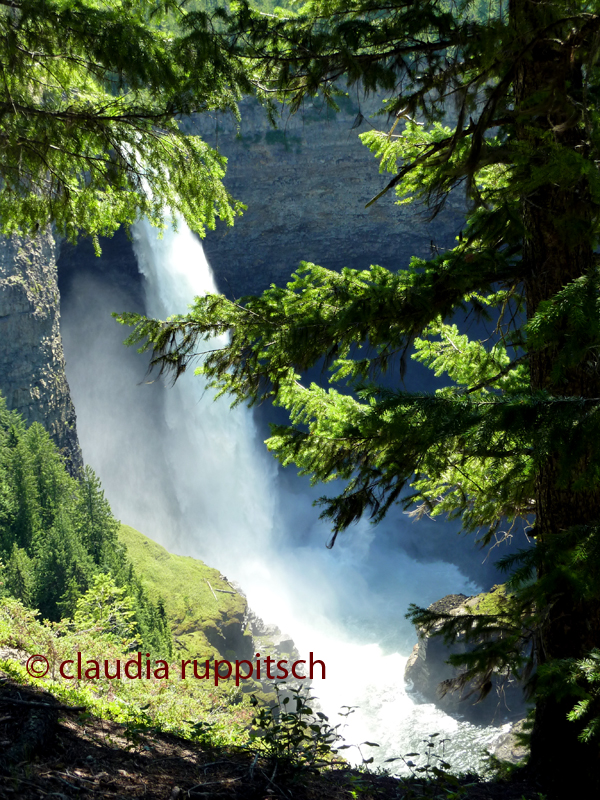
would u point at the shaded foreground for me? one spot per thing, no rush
(49, 749)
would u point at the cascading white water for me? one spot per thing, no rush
(194, 475)
(235, 514)
(221, 480)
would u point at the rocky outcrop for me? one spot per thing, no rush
(269, 640)
(508, 747)
(32, 367)
(427, 668)
(208, 614)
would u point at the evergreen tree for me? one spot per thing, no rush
(97, 526)
(7, 507)
(58, 537)
(24, 522)
(151, 620)
(106, 608)
(66, 605)
(19, 576)
(517, 432)
(91, 95)
(54, 488)
(62, 562)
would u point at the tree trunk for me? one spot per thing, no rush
(558, 248)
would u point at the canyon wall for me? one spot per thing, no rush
(306, 185)
(32, 366)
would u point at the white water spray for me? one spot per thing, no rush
(232, 511)
(221, 480)
(194, 475)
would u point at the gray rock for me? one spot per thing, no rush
(269, 640)
(427, 668)
(306, 186)
(32, 366)
(508, 747)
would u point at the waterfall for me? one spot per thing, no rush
(194, 475)
(230, 501)
(221, 477)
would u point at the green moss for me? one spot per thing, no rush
(492, 602)
(188, 588)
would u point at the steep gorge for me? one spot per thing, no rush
(306, 186)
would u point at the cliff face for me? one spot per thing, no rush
(32, 366)
(306, 185)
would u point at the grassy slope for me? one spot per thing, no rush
(202, 626)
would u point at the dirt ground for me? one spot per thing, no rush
(50, 750)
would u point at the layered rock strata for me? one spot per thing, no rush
(306, 186)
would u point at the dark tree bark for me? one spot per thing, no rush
(558, 249)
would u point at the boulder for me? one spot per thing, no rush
(427, 668)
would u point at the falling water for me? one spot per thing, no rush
(236, 515)
(194, 475)
(223, 480)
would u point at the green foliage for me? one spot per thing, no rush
(290, 732)
(198, 617)
(107, 609)
(61, 561)
(512, 439)
(97, 526)
(58, 538)
(387, 434)
(584, 678)
(91, 97)
(19, 575)
(142, 705)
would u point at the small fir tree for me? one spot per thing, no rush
(107, 609)
(58, 534)
(20, 576)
